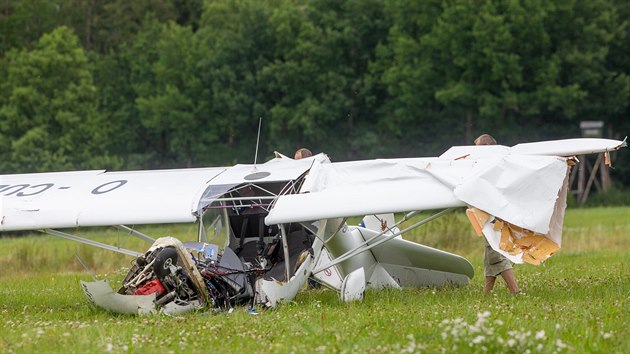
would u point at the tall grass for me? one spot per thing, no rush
(576, 302)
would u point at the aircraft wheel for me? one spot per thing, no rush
(163, 261)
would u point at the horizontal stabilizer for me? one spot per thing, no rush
(412, 264)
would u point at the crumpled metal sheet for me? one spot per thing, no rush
(101, 294)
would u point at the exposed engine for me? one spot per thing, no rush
(158, 272)
(195, 274)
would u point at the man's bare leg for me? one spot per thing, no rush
(510, 280)
(489, 284)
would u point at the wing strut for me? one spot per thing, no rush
(285, 249)
(364, 245)
(135, 233)
(91, 243)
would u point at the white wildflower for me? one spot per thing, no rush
(560, 344)
(478, 339)
(411, 346)
(540, 334)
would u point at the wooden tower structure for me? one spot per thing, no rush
(591, 171)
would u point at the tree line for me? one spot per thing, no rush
(180, 83)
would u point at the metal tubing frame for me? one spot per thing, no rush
(91, 243)
(362, 247)
(135, 233)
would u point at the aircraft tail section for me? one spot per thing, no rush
(407, 263)
(395, 263)
(412, 264)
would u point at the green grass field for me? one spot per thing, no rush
(578, 301)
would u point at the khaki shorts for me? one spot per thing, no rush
(494, 263)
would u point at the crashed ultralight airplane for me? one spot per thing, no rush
(284, 221)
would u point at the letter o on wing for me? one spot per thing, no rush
(109, 186)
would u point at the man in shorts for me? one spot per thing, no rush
(495, 263)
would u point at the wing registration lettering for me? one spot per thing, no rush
(13, 189)
(109, 186)
(29, 190)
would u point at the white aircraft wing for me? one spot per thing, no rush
(523, 188)
(96, 198)
(100, 198)
(568, 147)
(519, 184)
(565, 148)
(364, 187)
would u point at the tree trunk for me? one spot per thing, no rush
(88, 25)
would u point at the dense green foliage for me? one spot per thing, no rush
(169, 83)
(577, 302)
